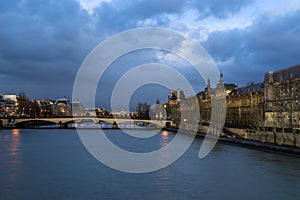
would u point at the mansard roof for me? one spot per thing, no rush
(253, 87)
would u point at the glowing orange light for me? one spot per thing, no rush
(165, 133)
(16, 131)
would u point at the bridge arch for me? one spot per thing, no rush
(65, 121)
(33, 123)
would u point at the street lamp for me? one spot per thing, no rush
(63, 112)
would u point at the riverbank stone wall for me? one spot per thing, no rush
(279, 138)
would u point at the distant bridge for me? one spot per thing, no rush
(63, 122)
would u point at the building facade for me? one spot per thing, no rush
(176, 96)
(245, 106)
(8, 105)
(282, 98)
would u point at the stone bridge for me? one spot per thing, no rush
(63, 122)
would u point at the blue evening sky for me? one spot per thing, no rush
(42, 43)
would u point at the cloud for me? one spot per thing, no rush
(219, 9)
(91, 5)
(119, 15)
(44, 42)
(268, 44)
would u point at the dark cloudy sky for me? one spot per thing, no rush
(43, 42)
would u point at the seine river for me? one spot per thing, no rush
(54, 164)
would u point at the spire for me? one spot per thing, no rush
(157, 101)
(221, 81)
(207, 89)
(208, 83)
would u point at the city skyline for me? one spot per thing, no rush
(149, 99)
(44, 43)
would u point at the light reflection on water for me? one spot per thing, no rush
(11, 142)
(106, 125)
(53, 164)
(164, 138)
(11, 158)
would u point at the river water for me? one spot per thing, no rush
(54, 164)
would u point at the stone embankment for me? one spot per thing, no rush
(279, 138)
(268, 141)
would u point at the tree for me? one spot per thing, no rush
(142, 110)
(173, 111)
(256, 110)
(24, 105)
(35, 109)
(285, 105)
